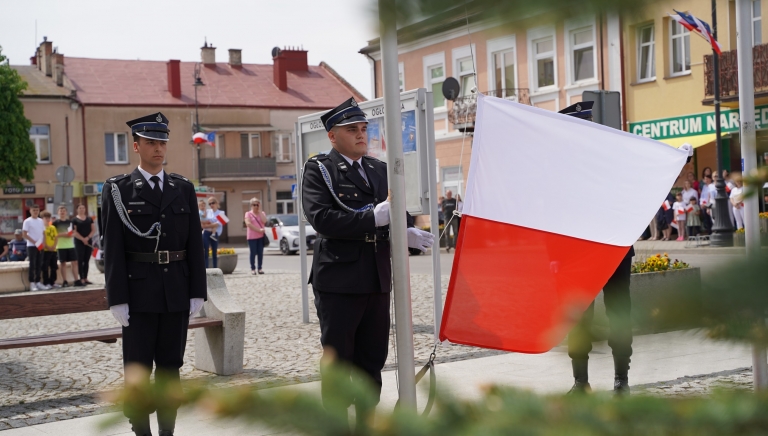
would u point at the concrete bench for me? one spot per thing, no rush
(218, 345)
(14, 276)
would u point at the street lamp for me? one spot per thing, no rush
(198, 83)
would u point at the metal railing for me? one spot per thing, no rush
(464, 108)
(238, 167)
(729, 74)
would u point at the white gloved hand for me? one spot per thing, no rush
(195, 304)
(688, 148)
(120, 312)
(381, 214)
(420, 239)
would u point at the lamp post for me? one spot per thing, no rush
(722, 230)
(198, 83)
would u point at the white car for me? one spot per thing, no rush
(283, 233)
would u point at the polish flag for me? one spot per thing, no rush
(522, 279)
(39, 244)
(70, 230)
(689, 209)
(222, 218)
(666, 205)
(95, 252)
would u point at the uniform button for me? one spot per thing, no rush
(182, 209)
(139, 210)
(165, 269)
(162, 216)
(129, 276)
(163, 235)
(337, 257)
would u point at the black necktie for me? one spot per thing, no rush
(156, 189)
(357, 168)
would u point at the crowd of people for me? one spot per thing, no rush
(51, 244)
(690, 211)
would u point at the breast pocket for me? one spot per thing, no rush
(181, 217)
(141, 216)
(350, 196)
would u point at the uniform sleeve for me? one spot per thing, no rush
(115, 269)
(198, 281)
(322, 212)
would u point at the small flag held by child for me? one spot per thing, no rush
(39, 245)
(70, 230)
(666, 205)
(222, 218)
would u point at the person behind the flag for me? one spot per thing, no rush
(32, 230)
(17, 247)
(211, 232)
(736, 198)
(153, 260)
(50, 240)
(85, 228)
(65, 247)
(617, 307)
(679, 207)
(450, 204)
(344, 195)
(693, 217)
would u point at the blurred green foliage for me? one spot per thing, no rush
(18, 158)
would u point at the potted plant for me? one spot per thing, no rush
(739, 238)
(227, 260)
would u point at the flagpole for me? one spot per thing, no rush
(722, 231)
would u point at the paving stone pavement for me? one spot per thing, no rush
(45, 384)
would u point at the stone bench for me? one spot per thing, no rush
(14, 276)
(218, 345)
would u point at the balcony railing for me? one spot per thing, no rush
(238, 167)
(463, 111)
(729, 74)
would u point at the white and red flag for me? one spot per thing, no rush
(70, 230)
(521, 279)
(222, 218)
(698, 27)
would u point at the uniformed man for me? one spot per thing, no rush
(617, 306)
(344, 195)
(155, 276)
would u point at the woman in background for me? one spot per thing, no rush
(254, 221)
(85, 228)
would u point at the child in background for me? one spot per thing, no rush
(50, 239)
(65, 247)
(693, 217)
(679, 207)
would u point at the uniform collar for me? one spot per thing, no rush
(148, 176)
(349, 161)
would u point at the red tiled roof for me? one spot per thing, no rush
(133, 82)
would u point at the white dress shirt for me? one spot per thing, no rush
(148, 176)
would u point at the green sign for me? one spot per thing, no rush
(698, 124)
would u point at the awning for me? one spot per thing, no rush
(695, 141)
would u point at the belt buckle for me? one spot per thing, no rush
(163, 257)
(370, 238)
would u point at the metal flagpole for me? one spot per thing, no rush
(749, 156)
(397, 226)
(722, 231)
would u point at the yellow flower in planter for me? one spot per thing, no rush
(658, 263)
(221, 251)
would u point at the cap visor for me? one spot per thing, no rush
(352, 120)
(162, 136)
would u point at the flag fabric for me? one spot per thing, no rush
(222, 218)
(95, 252)
(211, 138)
(521, 279)
(698, 27)
(39, 245)
(666, 205)
(70, 230)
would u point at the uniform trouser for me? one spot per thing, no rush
(618, 307)
(35, 264)
(158, 338)
(49, 267)
(356, 327)
(453, 226)
(83, 258)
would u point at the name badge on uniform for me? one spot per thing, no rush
(347, 186)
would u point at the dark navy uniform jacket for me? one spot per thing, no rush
(145, 286)
(341, 264)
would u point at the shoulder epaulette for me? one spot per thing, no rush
(179, 177)
(373, 159)
(117, 178)
(317, 157)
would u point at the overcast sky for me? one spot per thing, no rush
(332, 31)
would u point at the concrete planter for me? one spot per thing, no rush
(227, 263)
(100, 265)
(651, 291)
(739, 240)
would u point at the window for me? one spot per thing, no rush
(221, 146)
(503, 70)
(453, 180)
(116, 148)
(281, 146)
(681, 49)
(401, 76)
(434, 75)
(757, 20)
(646, 64)
(284, 202)
(544, 65)
(41, 137)
(250, 145)
(466, 73)
(582, 54)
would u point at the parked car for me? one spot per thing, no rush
(283, 233)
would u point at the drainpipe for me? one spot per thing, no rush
(66, 130)
(85, 149)
(373, 68)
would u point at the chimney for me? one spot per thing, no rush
(174, 77)
(208, 55)
(287, 60)
(46, 49)
(58, 70)
(235, 57)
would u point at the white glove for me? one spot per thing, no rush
(195, 304)
(688, 148)
(420, 239)
(120, 312)
(381, 214)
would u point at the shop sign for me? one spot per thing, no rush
(698, 124)
(12, 190)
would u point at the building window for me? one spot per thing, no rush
(503, 70)
(401, 76)
(116, 148)
(583, 54)
(284, 202)
(220, 146)
(757, 21)
(681, 49)
(436, 78)
(466, 73)
(281, 146)
(453, 180)
(250, 145)
(41, 137)
(646, 64)
(544, 62)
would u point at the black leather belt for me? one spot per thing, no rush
(379, 235)
(161, 257)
